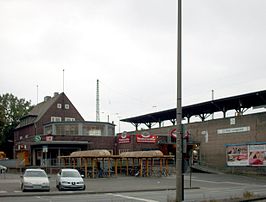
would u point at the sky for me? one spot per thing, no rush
(130, 46)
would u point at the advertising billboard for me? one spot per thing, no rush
(124, 138)
(146, 138)
(246, 155)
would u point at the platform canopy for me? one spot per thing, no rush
(240, 103)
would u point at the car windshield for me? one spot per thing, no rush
(70, 174)
(34, 173)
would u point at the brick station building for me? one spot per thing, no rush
(233, 142)
(53, 128)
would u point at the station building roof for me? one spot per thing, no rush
(240, 103)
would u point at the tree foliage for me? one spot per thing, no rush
(11, 110)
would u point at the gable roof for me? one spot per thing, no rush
(40, 109)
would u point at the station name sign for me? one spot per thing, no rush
(233, 130)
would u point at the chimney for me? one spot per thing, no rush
(46, 98)
(56, 93)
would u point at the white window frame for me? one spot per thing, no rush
(69, 119)
(59, 106)
(66, 106)
(56, 119)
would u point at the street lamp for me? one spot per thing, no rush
(179, 136)
(119, 117)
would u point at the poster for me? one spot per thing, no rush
(237, 155)
(246, 155)
(257, 155)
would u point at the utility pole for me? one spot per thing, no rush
(179, 136)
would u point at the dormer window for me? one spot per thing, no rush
(59, 106)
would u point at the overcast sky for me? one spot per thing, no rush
(130, 46)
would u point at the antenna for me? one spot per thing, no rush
(63, 80)
(97, 102)
(37, 93)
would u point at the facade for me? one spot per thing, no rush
(236, 144)
(233, 144)
(54, 127)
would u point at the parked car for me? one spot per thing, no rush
(69, 179)
(35, 179)
(3, 169)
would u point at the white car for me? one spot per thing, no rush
(35, 179)
(3, 169)
(69, 179)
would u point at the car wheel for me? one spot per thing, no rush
(22, 188)
(60, 187)
(84, 187)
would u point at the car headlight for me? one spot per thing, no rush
(64, 182)
(27, 183)
(81, 182)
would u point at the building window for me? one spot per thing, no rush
(66, 106)
(48, 130)
(92, 130)
(95, 132)
(55, 119)
(69, 119)
(59, 106)
(67, 129)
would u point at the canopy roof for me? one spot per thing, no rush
(91, 153)
(142, 154)
(238, 103)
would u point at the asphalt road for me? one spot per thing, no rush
(203, 187)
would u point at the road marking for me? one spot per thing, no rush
(133, 198)
(226, 182)
(17, 191)
(2, 192)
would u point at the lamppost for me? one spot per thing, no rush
(179, 136)
(119, 117)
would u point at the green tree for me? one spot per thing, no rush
(11, 110)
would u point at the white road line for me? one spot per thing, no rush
(1, 192)
(133, 198)
(226, 182)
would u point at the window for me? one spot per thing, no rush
(71, 129)
(48, 130)
(59, 106)
(55, 119)
(66, 106)
(92, 130)
(95, 132)
(69, 119)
